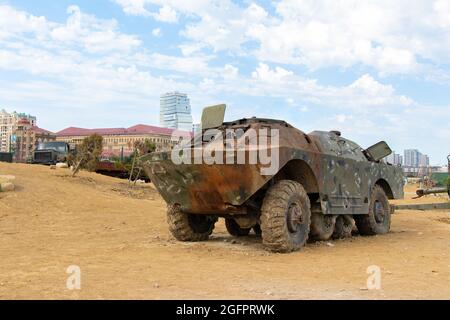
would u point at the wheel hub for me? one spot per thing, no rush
(379, 211)
(294, 217)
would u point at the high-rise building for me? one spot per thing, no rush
(424, 160)
(175, 111)
(411, 158)
(8, 125)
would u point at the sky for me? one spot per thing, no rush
(375, 70)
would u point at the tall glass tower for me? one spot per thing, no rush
(175, 111)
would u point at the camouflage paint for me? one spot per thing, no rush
(343, 175)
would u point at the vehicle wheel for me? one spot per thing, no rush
(285, 217)
(322, 226)
(189, 227)
(343, 227)
(257, 230)
(234, 229)
(378, 221)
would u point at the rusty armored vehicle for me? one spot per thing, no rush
(317, 186)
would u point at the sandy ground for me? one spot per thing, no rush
(120, 241)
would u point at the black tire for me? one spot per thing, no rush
(234, 229)
(322, 226)
(378, 221)
(285, 217)
(343, 227)
(189, 227)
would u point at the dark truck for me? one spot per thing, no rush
(323, 184)
(51, 153)
(6, 157)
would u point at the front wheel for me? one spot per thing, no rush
(285, 217)
(378, 221)
(189, 227)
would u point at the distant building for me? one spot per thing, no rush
(196, 127)
(8, 125)
(175, 111)
(424, 160)
(395, 159)
(411, 158)
(27, 139)
(120, 141)
(416, 164)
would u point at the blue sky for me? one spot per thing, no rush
(376, 70)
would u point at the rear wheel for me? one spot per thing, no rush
(234, 229)
(189, 227)
(322, 226)
(343, 227)
(285, 217)
(378, 221)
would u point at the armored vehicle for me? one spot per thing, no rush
(315, 186)
(51, 152)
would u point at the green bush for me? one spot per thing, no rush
(88, 154)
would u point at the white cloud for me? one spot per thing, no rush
(442, 10)
(90, 33)
(394, 37)
(230, 72)
(265, 74)
(381, 34)
(120, 56)
(139, 7)
(341, 118)
(19, 22)
(134, 7)
(157, 32)
(191, 65)
(95, 35)
(362, 96)
(377, 93)
(166, 14)
(167, 11)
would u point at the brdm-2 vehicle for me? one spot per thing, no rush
(316, 186)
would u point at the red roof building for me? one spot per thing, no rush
(120, 141)
(137, 129)
(38, 130)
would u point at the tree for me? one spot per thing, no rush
(144, 147)
(88, 154)
(140, 148)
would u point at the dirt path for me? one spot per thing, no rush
(120, 241)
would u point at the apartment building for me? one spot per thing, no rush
(8, 125)
(27, 138)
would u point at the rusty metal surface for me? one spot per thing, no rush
(326, 164)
